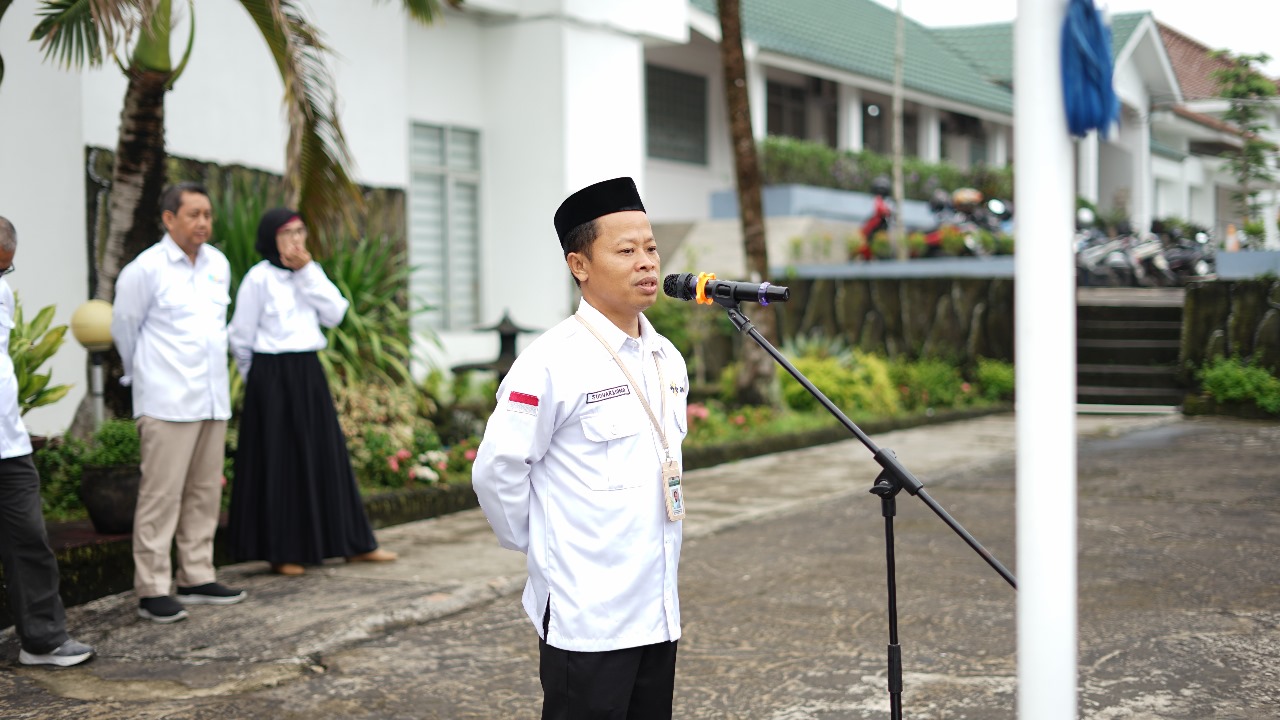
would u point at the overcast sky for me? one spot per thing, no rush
(1242, 26)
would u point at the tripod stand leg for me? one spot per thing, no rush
(886, 489)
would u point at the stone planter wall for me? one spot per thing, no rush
(961, 318)
(1226, 318)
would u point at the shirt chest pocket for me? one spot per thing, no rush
(617, 440)
(180, 302)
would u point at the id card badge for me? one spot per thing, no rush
(672, 490)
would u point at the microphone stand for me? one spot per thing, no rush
(893, 478)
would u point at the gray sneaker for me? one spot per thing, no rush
(65, 655)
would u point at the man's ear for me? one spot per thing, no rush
(577, 263)
(166, 219)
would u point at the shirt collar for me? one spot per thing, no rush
(615, 336)
(175, 253)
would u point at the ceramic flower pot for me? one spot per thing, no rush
(110, 494)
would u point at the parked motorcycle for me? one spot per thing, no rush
(1190, 258)
(1101, 260)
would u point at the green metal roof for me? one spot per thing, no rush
(990, 47)
(858, 36)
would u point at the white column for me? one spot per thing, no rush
(1087, 178)
(930, 134)
(1270, 215)
(1270, 201)
(999, 135)
(1044, 332)
(757, 94)
(1144, 183)
(849, 116)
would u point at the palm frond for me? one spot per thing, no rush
(80, 32)
(4, 5)
(317, 161)
(425, 11)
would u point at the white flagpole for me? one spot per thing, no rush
(1044, 306)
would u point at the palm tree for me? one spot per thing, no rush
(318, 181)
(755, 381)
(318, 178)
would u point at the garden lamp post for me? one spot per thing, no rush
(91, 325)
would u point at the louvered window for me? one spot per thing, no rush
(444, 226)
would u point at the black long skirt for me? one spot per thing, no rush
(294, 497)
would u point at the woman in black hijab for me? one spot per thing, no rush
(295, 500)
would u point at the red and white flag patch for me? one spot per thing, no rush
(522, 403)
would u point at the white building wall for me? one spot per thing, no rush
(1170, 188)
(42, 193)
(678, 191)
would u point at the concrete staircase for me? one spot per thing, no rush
(1127, 342)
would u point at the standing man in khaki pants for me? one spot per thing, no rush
(170, 326)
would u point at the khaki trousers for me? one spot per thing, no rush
(179, 498)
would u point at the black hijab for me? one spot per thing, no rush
(272, 221)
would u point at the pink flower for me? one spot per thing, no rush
(224, 481)
(393, 463)
(403, 455)
(442, 464)
(697, 411)
(965, 387)
(739, 420)
(469, 454)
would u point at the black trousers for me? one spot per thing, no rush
(30, 569)
(629, 684)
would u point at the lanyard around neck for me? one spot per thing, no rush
(662, 435)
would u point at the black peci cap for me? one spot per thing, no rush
(593, 201)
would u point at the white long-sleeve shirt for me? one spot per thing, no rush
(569, 473)
(169, 323)
(279, 311)
(14, 440)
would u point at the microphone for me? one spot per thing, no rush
(685, 287)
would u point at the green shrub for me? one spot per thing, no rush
(817, 345)
(786, 160)
(372, 343)
(31, 344)
(712, 422)
(58, 464)
(1233, 380)
(115, 443)
(864, 385)
(928, 384)
(995, 380)
(60, 461)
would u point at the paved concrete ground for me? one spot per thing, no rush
(783, 589)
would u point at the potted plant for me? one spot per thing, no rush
(31, 344)
(109, 477)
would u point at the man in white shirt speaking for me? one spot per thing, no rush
(169, 323)
(580, 470)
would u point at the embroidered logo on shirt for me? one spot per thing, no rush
(522, 403)
(609, 394)
(677, 389)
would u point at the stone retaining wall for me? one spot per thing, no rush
(962, 318)
(1231, 318)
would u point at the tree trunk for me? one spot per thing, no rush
(137, 182)
(755, 380)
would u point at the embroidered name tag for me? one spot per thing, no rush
(522, 403)
(609, 394)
